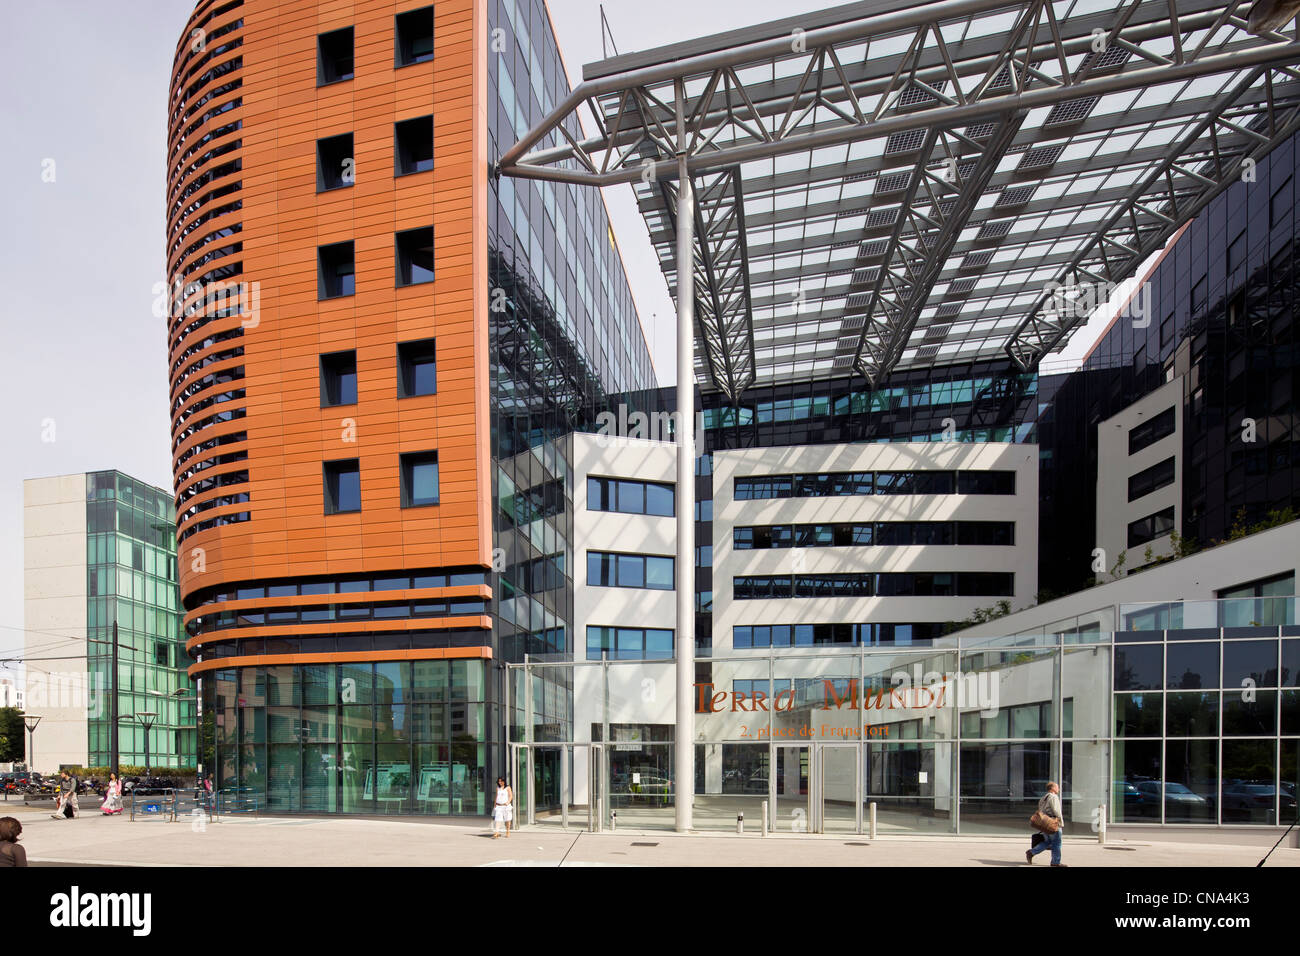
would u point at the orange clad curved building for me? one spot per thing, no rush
(355, 432)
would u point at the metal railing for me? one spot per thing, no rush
(152, 804)
(235, 801)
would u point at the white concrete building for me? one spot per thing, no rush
(1140, 480)
(54, 617)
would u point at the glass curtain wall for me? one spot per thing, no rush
(131, 579)
(1178, 727)
(408, 737)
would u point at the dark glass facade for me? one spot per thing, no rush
(1223, 318)
(565, 340)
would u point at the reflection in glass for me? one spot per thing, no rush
(1249, 713)
(1192, 714)
(1249, 793)
(1191, 781)
(1001, 784)
(1139, 667)
(1138, 715)
(1137, 768)
(1247, 663)
(1193, 665)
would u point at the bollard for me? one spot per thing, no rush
(764, 818)
(1101, 824)
(740, 823)
(613, 820)
(871, 816)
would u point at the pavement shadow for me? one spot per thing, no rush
(1020, 862)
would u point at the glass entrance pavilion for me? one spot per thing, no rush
(1187, 714)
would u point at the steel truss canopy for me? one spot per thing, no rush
(903, 184)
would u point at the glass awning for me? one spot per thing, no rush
(902, 184)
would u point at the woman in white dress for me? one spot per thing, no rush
(112, 796)
(503, 811)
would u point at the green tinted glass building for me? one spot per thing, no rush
(131, 579)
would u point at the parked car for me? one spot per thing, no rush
(1174, 793)
(1134, 800)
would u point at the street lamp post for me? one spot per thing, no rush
(180, 694)
(148, 718)
(31, 720)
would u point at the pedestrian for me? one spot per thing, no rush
(503, 811)
(112, 796)
(11, 854)
(1050, 821)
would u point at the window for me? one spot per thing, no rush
(413, 146)
(630, 497)
(342, 486)
(986, 483)
(1166, 331)
(338, 379)
(1151, 527)
(1279, 207)
(335, 165)
(1150, 432)
(889, 584)
(336, 270)
(162, 653)
(1151, 479)
(417, 368)
(629, 643)
(414, 256)
(334, 56)
(629, 571)
(414, 31)
(1237, 252)
(419, 479)
(986, 532)
(1263, 603)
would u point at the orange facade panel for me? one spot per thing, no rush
(258, 411)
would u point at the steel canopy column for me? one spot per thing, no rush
(683, 739)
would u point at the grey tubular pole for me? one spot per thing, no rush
(683, 739)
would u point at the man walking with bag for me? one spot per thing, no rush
(1049, 820)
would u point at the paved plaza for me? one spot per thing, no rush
(336, 841)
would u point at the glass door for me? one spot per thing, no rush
(521, 784)
(549, 785)
(791, 791)
(840, 797)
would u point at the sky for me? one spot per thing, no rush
(84, 386)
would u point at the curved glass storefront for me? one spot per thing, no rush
(366, 738)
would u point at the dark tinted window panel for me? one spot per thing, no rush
(1160, 475)
(413, 146)
(1139, 667)
(335, 162)
(414, 250)
(417, 368)
(334, 56)
(336, 270)
(1151, 527)
(414, 36)
(1150, 432)
(342, 486)
(338, 379)
(1192, 666)
(986, 483)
